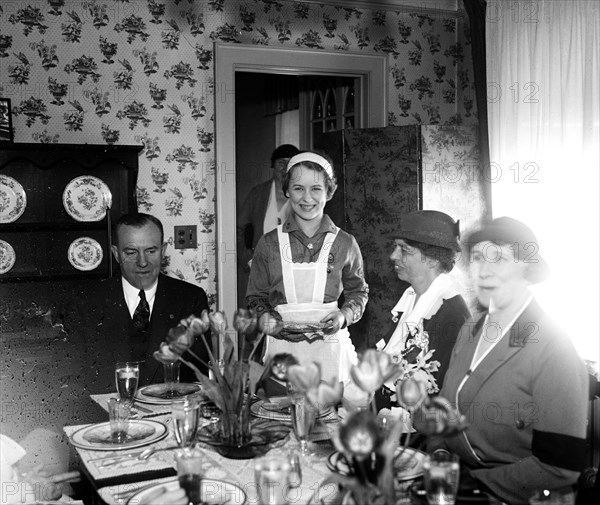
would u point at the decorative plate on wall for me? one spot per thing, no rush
(13, 199)
(85, 253)
(86, 198)
(7, 257)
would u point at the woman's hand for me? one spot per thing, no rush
(335, 321)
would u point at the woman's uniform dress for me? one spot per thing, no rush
(302, 282)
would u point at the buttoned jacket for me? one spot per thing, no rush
(526, 404)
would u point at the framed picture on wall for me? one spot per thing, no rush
(6, 129)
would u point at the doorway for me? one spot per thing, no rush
(371, 69)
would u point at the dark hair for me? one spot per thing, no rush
(330, 182)
(446, 257)
(137, 220)
(283, 151)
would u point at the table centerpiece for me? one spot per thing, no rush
(232, 382)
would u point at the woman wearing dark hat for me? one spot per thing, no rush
(431, 311)
(515, 375)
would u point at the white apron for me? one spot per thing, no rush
(304, 286)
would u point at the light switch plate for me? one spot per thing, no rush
(186, 237)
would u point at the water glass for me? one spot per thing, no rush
(118, 413)
(189, 472)
(295, 475)
(186, 415)
(441, 475)
(127, 376)
(271, 479)
(171, 373)
(303, 420)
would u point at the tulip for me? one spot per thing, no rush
(245, 322)
(359, 436)
(325, 395)
(374, 369)
(304, 378)
(269, 324)
(165, 354)
(218, 322)
(411, 393)
(197, 325)
(180, 339)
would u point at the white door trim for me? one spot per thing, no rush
(231, 58)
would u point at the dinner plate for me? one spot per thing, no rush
(86, 198)
(13, 199)
(7, 257)
(408, 463)
(158, 394)
(212, 492)
(140, 432)
(85, 253)
(278, 409)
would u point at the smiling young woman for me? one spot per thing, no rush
(301, 269)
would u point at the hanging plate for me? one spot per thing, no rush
(7, 257)
(85, 253)
(12, 199)
(86, 198)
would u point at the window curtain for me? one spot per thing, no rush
(543, 93)
(476, 11)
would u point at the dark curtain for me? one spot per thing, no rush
(281, 93)
(476, 12)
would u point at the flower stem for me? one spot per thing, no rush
(255, 345)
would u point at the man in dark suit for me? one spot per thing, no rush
(137, 326)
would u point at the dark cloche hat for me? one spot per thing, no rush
(507, 230)
(430, 227)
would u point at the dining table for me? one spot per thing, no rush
(117, 477)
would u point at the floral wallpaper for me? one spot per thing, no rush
(141, 72)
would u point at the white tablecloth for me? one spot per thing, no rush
(214, 465)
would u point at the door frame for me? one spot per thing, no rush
(231, 58)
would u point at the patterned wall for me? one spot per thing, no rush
(140, 72)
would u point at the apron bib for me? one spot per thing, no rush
(304, 286)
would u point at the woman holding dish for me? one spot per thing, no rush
(301, 269)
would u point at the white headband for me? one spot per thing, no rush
(315, 158)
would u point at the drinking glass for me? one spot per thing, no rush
(127, 376)
(186, 415)
(271, 479)
(441, 474)
(118, 413)
(171, 372)
(189, 465)
(303, 420)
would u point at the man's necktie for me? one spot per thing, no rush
(141, 316)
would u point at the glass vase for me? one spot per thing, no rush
(235, 428)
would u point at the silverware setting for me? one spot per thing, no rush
(139, 455)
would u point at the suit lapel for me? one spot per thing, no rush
(511, 344)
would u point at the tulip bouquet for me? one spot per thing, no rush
(369, 445)
(233, 380)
